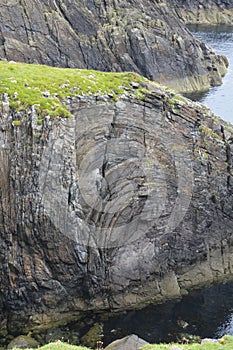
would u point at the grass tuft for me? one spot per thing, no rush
(225, 343)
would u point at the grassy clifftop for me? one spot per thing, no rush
(47, 87)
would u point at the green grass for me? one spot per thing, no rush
(58, 345)
(226, 343)
(47, 87)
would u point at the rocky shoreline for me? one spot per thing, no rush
(68, 248)
(211, 12)
(146, 37)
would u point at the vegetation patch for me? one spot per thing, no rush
(225, 343)
(207, 131)
(47, 87)
(58, 345)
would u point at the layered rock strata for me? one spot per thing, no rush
(125, 203)
(141, 36)
(211, 12)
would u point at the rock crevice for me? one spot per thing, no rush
(125, 203)
(146, 37)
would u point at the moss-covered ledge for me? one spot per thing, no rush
(47, 87)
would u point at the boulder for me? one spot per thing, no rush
(23, 342)
(131, 342)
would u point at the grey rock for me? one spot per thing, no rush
(23, 342)
(209, 340)
(146, 37)
(208, 12)
(174, 347)
(114, 208)
(131, 342)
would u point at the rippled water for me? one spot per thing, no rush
(219, 98)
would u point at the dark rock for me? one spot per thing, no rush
(147, 37)
(94, 335)
(123, 204)
(131, 342)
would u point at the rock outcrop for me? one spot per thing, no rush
(131, 342)
(205, 12)
(127, 202)
(146, 37)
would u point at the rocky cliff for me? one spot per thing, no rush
(205, 12)
(146, 37)
(126, 202)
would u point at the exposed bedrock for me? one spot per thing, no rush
(147, 37)
(126, 203)
(205, 12)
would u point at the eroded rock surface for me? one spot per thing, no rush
(205, 12)
(142, 36)
(126, 203)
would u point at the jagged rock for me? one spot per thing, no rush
(205, 12)
(23, 342)
(131, 342)
(146, 37)
(123, 204)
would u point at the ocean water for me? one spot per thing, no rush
(219, 98)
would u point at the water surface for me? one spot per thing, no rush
(219, 98)
(206, 313)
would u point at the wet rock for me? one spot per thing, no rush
(131, 342)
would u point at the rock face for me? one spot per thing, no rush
(205, 12)
(142, 36)
(123, 204)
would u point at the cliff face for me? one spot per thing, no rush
(142, 36)
(125, 203)
(205, 12)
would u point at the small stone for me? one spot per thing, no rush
(209, 340)
(134, 85)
